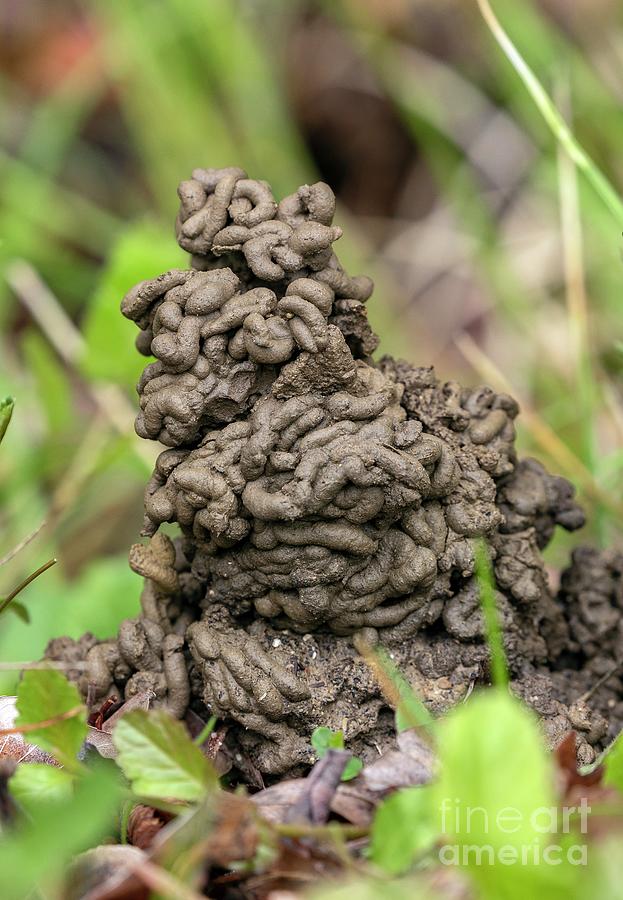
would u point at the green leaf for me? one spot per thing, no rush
(34, 784)
(18, 609)
(324, 739)
(42, 695)
(492, 758)
(613, 764)
(404, 827)
(372, 889)
(603, 877)
(352, 769)
(159, 758)
(6, 411)
(144, 250)
(39, 851)
(496, 786)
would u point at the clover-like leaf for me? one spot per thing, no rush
(324, 739)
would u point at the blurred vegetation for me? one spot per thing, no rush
(493, 260)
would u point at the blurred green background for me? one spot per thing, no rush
(492, 260)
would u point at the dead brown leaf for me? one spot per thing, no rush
(107, 867)
(314, 801)
(99, 735)
(394, 770)
(234, 836)
(144, 823)
(300, 864)
(354, 803)
(12, 743)
(565, 756)
(274, 802)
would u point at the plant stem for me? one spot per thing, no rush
(46, 723)
(7, 600)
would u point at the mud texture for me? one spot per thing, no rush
(328, 504)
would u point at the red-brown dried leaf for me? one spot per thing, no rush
(394, 770)
(234, 836)
(565, 755)
(99, 735)
(13, 746)
(144, 823)
(354, 803)
(97, 717)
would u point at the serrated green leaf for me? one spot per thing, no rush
(144, 250)
(159, 758)
(34, 784)
(44, 694)
(39, 851)
(404, 827)
(6, 411)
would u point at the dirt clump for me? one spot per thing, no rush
(328, 504)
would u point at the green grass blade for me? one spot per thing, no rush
(410, 710)
(486, 586)
(554, 120)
